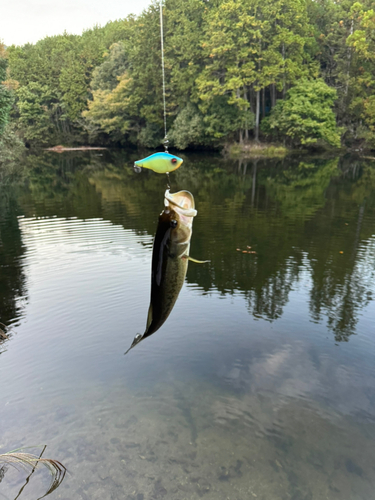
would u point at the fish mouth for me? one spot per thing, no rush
(183, 201)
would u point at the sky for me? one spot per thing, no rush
(27, 21)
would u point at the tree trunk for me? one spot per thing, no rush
(349, 58)
(273, 95)
(263, 102)
(245, 96)
(257, 115)
(251, 100)
(238, 94)
(283, 52)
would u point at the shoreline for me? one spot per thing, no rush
(249, 150)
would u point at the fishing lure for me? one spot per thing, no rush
(161, 163)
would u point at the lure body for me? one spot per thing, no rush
(161, 163)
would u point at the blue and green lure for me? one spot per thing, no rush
(161, 163)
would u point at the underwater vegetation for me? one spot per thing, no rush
(20, 459)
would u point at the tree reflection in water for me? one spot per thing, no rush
(313, 215)
(12, 277)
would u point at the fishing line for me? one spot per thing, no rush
(165, 142)
(162, 163)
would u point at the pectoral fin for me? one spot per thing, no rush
(195, 260)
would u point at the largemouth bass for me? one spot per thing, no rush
(170, 257)
(160, 163)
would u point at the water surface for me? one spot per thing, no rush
(261, 382)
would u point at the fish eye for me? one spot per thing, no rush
(173, 160)
(173, 223)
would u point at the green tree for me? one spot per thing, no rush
(188, 128)
(251, 46)
(6, 97)
(343, 33)
(184, 56)
(231, 43)
(362, 41)
(62, 66)
(6, 101)
(105, 76)
(114, 111)
(34, 119)
(123, 98)
(306, 115)
(363, 38)
(73, 87)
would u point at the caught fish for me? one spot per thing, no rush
(161, 163)
(170, 257)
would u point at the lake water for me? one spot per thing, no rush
(261, 383)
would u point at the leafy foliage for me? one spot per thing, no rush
(306, 115)
(6, 97)
(188, 128)
(6, 101)
(34, 113)
(227, 63)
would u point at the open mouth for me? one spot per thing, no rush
(183, 200)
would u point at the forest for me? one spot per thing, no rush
(297, 72)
